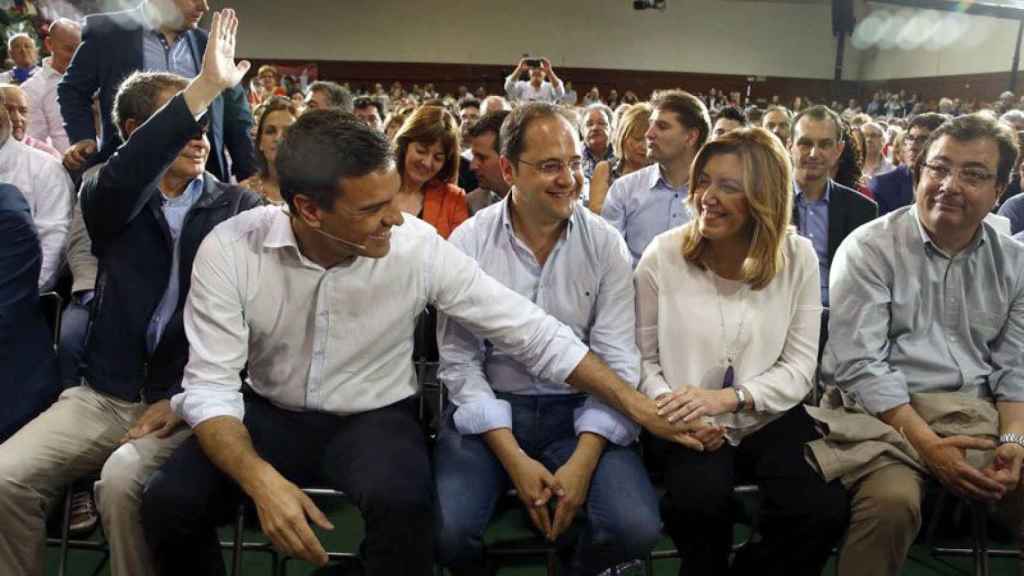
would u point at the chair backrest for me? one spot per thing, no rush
(52, 305)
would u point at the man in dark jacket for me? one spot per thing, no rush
(146, 210)
(895, 188)
(158, 36)
(29, 378)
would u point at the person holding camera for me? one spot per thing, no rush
(543, 85)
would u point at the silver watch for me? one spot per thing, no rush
(741, 399)
(1012, 438)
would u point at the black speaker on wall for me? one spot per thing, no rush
(843, 20)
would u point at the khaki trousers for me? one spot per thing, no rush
(885, 517)
(74, 437)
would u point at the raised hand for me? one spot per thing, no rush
(219, 67)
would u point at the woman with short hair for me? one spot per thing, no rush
(427, 152)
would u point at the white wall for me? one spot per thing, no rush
(771, 38)
(914, 43)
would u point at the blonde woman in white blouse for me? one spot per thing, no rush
(728, 313)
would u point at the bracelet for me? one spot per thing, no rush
(741, 399)
(1012, 438)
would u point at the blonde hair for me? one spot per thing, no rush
(768, 183)
(634, 117)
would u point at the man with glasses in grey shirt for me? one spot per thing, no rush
(928, 316)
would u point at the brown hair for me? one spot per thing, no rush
(690, 110)
(768, 184)
(427, 125)
(272, 104)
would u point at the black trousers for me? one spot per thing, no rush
(801, 518)
(379, 459)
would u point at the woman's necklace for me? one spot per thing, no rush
(731, 350)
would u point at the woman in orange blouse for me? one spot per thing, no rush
(427, 152)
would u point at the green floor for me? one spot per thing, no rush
(509, 525)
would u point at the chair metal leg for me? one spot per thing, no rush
(65, 530)
(979, 533)
(552, 563)
(236, 549)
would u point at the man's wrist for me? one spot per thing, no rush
(1012, 438)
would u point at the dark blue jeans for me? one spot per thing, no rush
(622, 520)
(73, 325)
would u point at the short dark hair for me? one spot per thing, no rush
(820, 113)
(929, 121)
(733, 113)
(490, 123)
(337, 95)
(691, 111)
(322, 148)
(975, 127)
(138, 96)
(513, 128)
(366, 101)
(469, 103)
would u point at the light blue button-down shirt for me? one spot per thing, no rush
(813, 225)
(160, 56)
(586, 283)
(174, 210)
(642, 205)
(911, 319)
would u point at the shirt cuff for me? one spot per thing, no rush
(198, 406)
(598, 418)
(483, 416)
(879, 398)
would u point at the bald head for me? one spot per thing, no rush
(62, 41)
(16, 104)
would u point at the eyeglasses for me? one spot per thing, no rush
(554, 168)
(919, 139)
(971, 177)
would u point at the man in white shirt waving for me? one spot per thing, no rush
(319, 304)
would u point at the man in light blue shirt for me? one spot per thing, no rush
(648, 202)
(506, 428)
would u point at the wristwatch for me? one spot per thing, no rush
(741, 399)
(1012, 438)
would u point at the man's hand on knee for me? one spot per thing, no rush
(1005, 469)
(945, 458)
(158, 418)
(283, 509)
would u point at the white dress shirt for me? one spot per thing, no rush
(44, 120)
(523, 91)
(679, 329)
(340, 340)
(48, 190)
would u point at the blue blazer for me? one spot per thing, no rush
(893, 189)
(29, 377)
(110, 51)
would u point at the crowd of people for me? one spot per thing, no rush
(826, 303)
